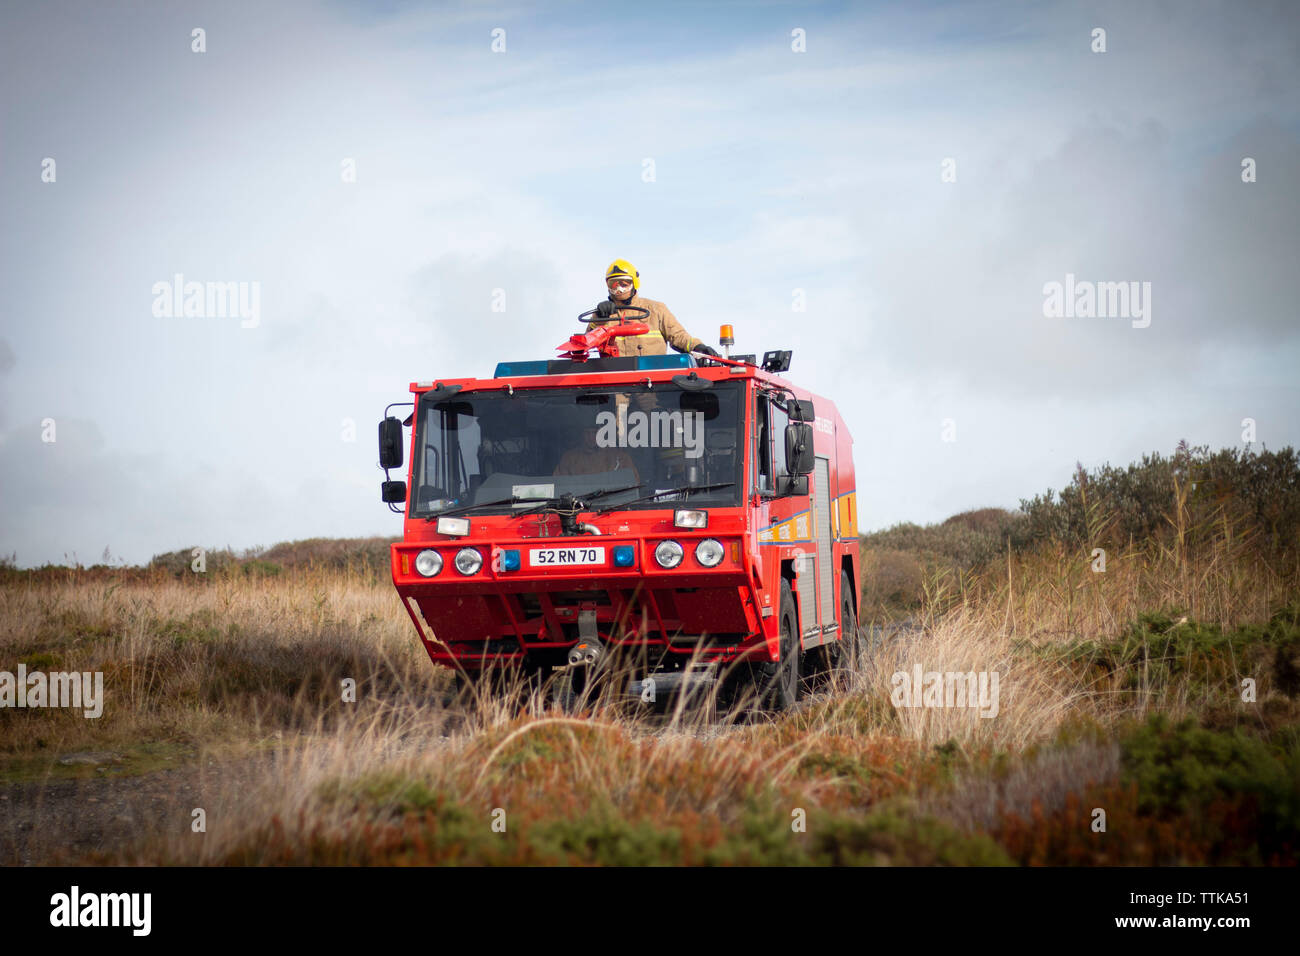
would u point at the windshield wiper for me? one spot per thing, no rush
(482, 504)
(552, 503)
(685, 489)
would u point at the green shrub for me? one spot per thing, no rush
(964, 542)
(1162, 646)
(900, 564)
(1257, 493)
(1238, 793)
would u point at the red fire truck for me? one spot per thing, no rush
(696, 518)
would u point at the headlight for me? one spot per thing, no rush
(468, 561)
(428, 563)
(458, 527)
(708, 552)
(690, 519)
(668, 554)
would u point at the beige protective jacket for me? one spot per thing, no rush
(594, 461)
(665, 330)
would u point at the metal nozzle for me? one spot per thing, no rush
(586, 653)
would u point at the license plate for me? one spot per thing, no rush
(564, 557)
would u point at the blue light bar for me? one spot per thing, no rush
(640, 363)
(679, 360)
(507, 369)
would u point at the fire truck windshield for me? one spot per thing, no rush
(508, 452)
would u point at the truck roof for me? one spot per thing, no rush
(563, 373)
(550, 373)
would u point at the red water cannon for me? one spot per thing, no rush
(602, 338)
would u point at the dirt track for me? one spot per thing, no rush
(62, 820)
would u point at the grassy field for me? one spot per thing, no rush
(1160, 691)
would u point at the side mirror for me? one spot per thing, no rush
(393, 492)
(390, 445)
(798, 448)
(801, 410)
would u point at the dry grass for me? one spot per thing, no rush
(1035, 695)
(1055, 593)
(248, 666)
(230, 659)
(593, 787)
(1042, 782)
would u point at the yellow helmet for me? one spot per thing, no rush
(621, 268)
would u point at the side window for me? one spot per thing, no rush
(769, 438)
(762, 445)
(779, 420)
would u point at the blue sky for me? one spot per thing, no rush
(522, 170)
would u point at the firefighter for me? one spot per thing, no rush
(591, 458)
(624, 285)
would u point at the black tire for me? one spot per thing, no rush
(851, 653)
(579, 681)
(779, 682)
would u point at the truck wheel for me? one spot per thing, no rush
(579, 680)
(852, 650)
(778, 681)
